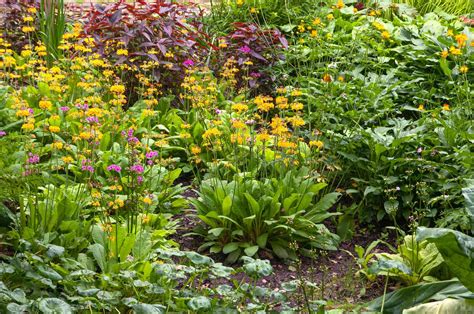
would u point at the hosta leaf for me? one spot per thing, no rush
(396, 302)
(251, 251)
(457, 250)
(199, 303)
(142, 308)
(54, 306)
(230, 247)
(262, 240)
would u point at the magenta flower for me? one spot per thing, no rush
(188, 63)
(245, 49)
(92, 120)
(86, 166)
(32, 159)
(64, 109)
(115, 168)
(2, 133)
(139, 179)
(151, 154)
(137, 168)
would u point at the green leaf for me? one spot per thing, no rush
(262, 240)
(406, 298)
(142, 308)
(445, 67)
(230, 247)
(444, 306)
(252, 250)
(457, 250)
(54, 306)
(253, 203)
(226, 205)
(98, 252)
(279, 250)
(199, 303)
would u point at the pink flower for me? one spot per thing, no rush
(115, 168)
(2, 133)
(188, 63)
(137, 168)
(32, 159)
(245, 49)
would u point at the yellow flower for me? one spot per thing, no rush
(318, 144)
(454, 51)
(450, 33)
(148, 113)
(263, 137)
(32, 10)
(239, 2)
(85, 135)
(239, 107)
(463, 69)
(340, 4)
(118, 89)
(317, 21)
(461, 40)
(238, 124)
(45, 104)
(297, 106)
(211, 132)
(314, 33)
(185, 126)
(28, 127)
(57, 145)
(385, 35)
(22, 113)
(147, 200)
(446, 107)
(421, 107)
(27, 29)
(195, 150)
(122, 52)
(444, 54)
(26, 53)
(28, 19)
(330, 16)
(296, 93)
(67, 159)
(54, 129)
(296, 121)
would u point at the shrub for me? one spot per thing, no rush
(158, 38)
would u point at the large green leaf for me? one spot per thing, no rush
(457, 250)
(54, 306)
(406, 298)
(446, 306)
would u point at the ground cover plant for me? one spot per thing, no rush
(243, 156)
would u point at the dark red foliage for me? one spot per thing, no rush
(11, 22)
(249, 42)
(149, 31)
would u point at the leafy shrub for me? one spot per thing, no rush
(246, 216)
(156, 38)
(12, 22)
(248, 49)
